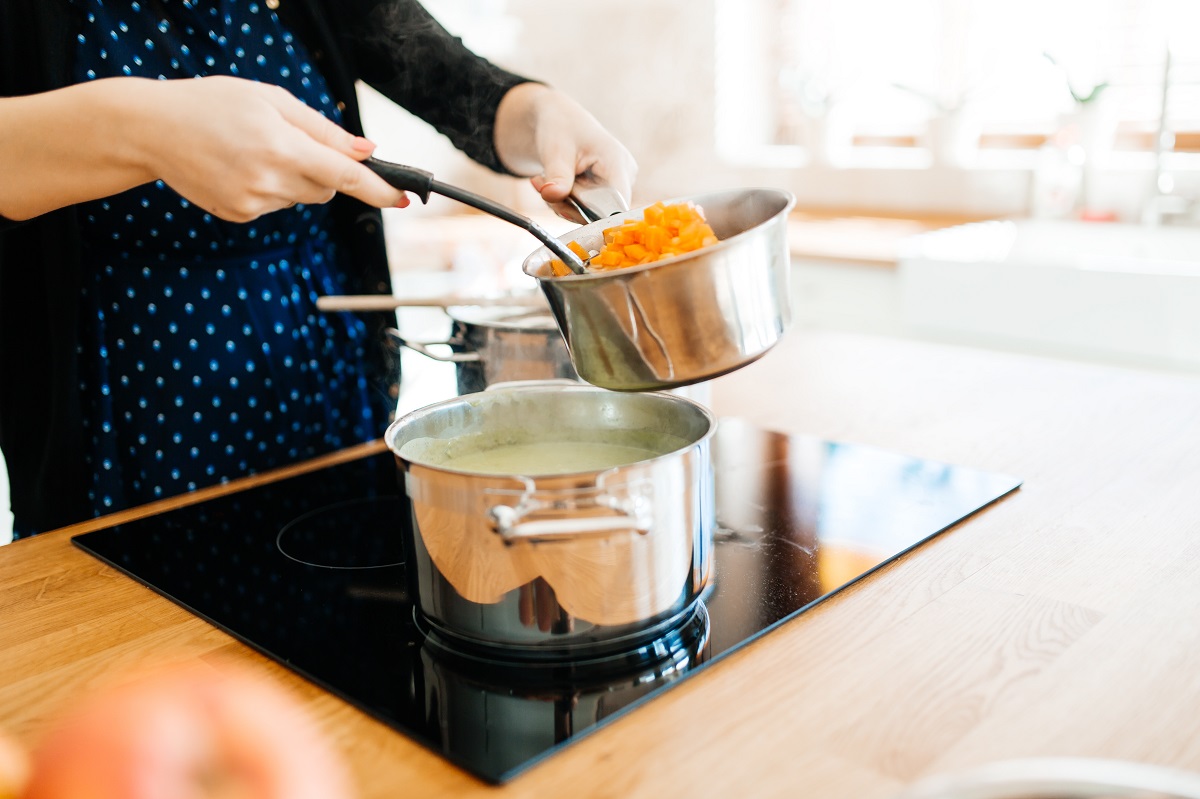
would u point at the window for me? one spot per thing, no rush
(886, 68)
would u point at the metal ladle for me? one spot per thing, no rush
(589, 200)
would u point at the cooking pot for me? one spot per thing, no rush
(690, 318)
(498, 345)
(560, 565)
(666, 324)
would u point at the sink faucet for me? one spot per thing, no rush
(1164, 206)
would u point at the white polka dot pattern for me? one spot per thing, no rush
(201, 355)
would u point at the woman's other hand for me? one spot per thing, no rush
(237, 148)
(542, 132)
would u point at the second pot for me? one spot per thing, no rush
(491, 345)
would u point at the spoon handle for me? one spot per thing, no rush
(421, 183)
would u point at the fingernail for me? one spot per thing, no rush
(403, 202)
(362, 145)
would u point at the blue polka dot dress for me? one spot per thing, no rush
(202, 356)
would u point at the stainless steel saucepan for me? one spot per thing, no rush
(662, 325)
(552, 565)
(683, 320)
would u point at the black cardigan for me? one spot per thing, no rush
(393, 45)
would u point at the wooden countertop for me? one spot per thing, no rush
(859, 237)
(1063, 620)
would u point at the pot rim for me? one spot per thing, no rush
(789, 202)
(417, 415)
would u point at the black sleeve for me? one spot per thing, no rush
(402, 51)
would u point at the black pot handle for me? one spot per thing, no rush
(405, 178)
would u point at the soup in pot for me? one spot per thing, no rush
(549, 457)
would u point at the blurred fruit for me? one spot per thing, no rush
(186, 732)
(14, 769)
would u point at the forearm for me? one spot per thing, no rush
(236, 148)
(74, 144)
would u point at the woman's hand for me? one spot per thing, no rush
(241, 149)
(544, 133)
(236, 148)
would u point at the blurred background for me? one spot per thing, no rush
(1008, 174)
(915, 106)
(1004, 173)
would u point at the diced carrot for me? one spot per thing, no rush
(609, 257)
(579, 250)
(559, 268)
(662, 232)
(635, 251)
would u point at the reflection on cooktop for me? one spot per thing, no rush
(310, 571)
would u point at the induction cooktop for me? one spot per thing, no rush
(310, 571)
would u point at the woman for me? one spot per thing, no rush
(163, 239)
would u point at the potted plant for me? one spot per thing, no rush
(1091, 123)
(827, 130)
(952, 132)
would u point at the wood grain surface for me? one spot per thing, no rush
(1063, 620)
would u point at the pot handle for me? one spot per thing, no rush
(423, 347)
(506, 522)
(591, 200)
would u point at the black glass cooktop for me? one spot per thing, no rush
(310, 572)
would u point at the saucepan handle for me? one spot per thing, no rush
(510, 522)
(423, 347)
(592, 200)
